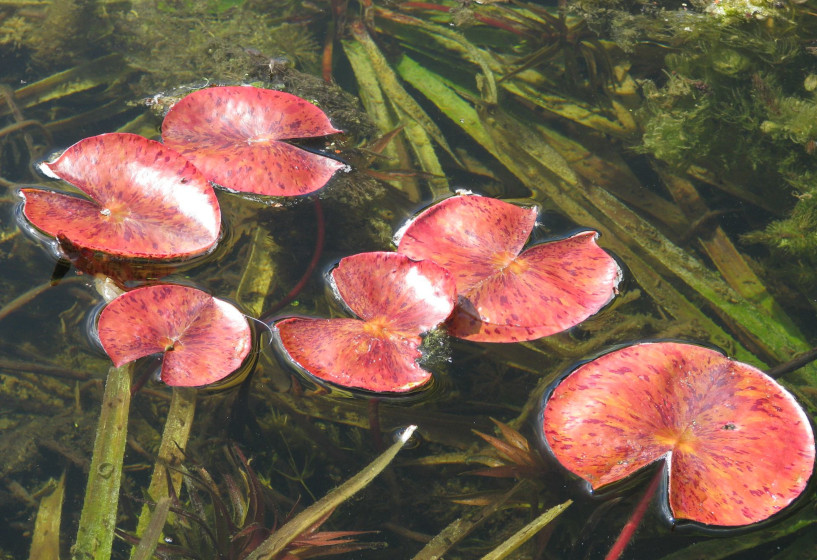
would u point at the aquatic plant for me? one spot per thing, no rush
(149, 202)
(145, 200)
(736, 446)
(229, 521)
(202, 338)
(517, 458)
(397, 300)
(235, 136)
(541, 142)
(507, 294)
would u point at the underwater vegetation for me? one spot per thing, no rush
(736, 104)
(643, 172)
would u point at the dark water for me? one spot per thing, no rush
(682, 136)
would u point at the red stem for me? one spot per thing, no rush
(629, 529)
(316, 255)
(328, 53)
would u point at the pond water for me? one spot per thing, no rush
(682, 132)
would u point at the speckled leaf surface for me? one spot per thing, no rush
(469, 236)
(413, 296)
(508, 296)
(146, 201)
(203, 338)
(396, 299)
(738, 446)
(355, 354)
(234, 134)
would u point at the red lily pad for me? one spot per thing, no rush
(396, 299)
(234, 135)
(146, 201)
(203, 338)
(737, 445)
(507, 294)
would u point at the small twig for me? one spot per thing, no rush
(793, 364)
(15, 368)
(68, 453)
(26, 297)
(406, 532)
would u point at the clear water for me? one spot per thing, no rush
(659, 165)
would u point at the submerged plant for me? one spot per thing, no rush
(229, 521)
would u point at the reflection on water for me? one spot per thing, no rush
(683, 133)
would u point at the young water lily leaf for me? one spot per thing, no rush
(145, 200)
(507, 294)
(397, 299)
(738, 447)
(234, 135)
(203, 338)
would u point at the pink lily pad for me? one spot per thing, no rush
(234, 135)
(506, 294)
(737, 445)
(397, 299)
(146, 201)
(203, 338)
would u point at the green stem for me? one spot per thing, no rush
(171, 452)
(98, 519)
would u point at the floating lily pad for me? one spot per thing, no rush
(738, 447)
(145, 200)
(235, 136)
(396, 299)
(507, 294)
(203, 338)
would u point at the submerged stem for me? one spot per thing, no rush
(632, 524)
(98, 519)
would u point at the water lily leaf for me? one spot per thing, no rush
(737, 445)
(203, 338)
(354, 354)
(411, 296)
(508, 294)
(234, 135)
(396, 299)
(146, 201)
